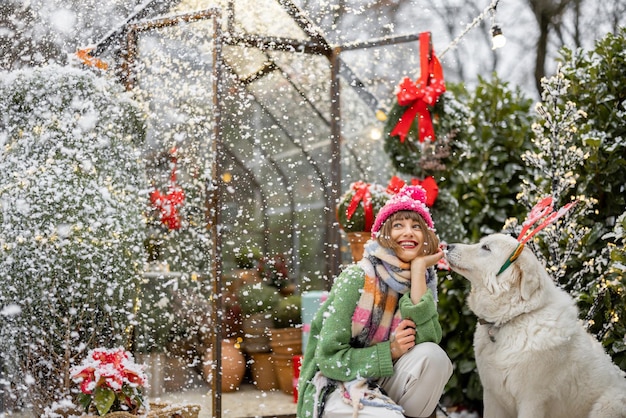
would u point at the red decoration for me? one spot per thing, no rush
(168, 203)
(421, 94)
(429, 184)
(362, 193)
(395, 184)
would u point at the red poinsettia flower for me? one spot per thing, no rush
(113, 371)
(86, 377)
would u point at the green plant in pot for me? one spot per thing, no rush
(257, 302)
(247, 261)
(247, 258)
(274, 272)
(356, 211)
(287, 312)
(359, 205)
(286, 339)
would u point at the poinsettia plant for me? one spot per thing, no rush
(110, 381)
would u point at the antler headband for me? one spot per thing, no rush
(542, 211)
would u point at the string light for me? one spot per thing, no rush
(375, 133)
(497, 38)
(489, 9)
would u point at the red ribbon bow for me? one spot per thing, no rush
(168, 203)
(362, 193)
(429, 184)
(421, 94)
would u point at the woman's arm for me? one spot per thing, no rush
(335, 357)
(419, 304)
(418, 274)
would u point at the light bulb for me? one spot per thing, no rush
(498, 40)
(375, 133)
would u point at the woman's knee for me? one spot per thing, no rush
(430, 356)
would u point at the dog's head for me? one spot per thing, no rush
(497, 296)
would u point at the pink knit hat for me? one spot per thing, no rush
(411, 198)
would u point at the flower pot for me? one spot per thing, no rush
(283, 366)
(233, 366)
(286, 343)
(357, 242)
(262, 369)
(245, 277)
(256, 328)
(158, 410)
(167, 410)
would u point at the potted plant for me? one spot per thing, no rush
(112, 384)
(273, 271)
(286, 339)
(257, 302)
(247, 261)
(356, 211)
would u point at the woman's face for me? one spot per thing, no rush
(409, 237)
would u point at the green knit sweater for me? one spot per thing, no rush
(328, 348)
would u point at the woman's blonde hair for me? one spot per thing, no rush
(431, 241)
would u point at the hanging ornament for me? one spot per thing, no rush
(418, 96)
(169, 203)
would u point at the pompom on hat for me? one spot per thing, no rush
(411, 198)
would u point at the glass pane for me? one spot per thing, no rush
(174, 78)
(254, 17)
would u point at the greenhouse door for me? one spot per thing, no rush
(173, 67)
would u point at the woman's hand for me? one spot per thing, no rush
(425, 261)
(402, 339)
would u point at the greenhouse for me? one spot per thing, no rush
(262, 124)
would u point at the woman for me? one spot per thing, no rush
(373, 351)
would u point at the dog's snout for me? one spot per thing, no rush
(450, 247)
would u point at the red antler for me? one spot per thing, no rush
(542, 209)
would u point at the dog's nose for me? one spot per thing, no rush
(450, 247)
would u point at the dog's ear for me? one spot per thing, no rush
(527, 275)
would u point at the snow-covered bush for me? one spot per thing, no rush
(591, 89)
(71, 227)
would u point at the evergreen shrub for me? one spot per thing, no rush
(71, 226)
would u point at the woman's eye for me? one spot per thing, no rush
(485, 247)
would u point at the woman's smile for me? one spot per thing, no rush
(408, 234)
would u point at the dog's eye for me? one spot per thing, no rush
(485, 247)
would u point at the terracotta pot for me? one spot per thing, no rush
(286, 343)
(357, 242)
(263, 374)
(233, 366)
(256, 329)
(283, 365)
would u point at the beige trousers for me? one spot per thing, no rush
(416, 384)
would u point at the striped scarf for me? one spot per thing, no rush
(387, 278)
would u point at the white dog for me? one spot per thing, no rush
(534, 358)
